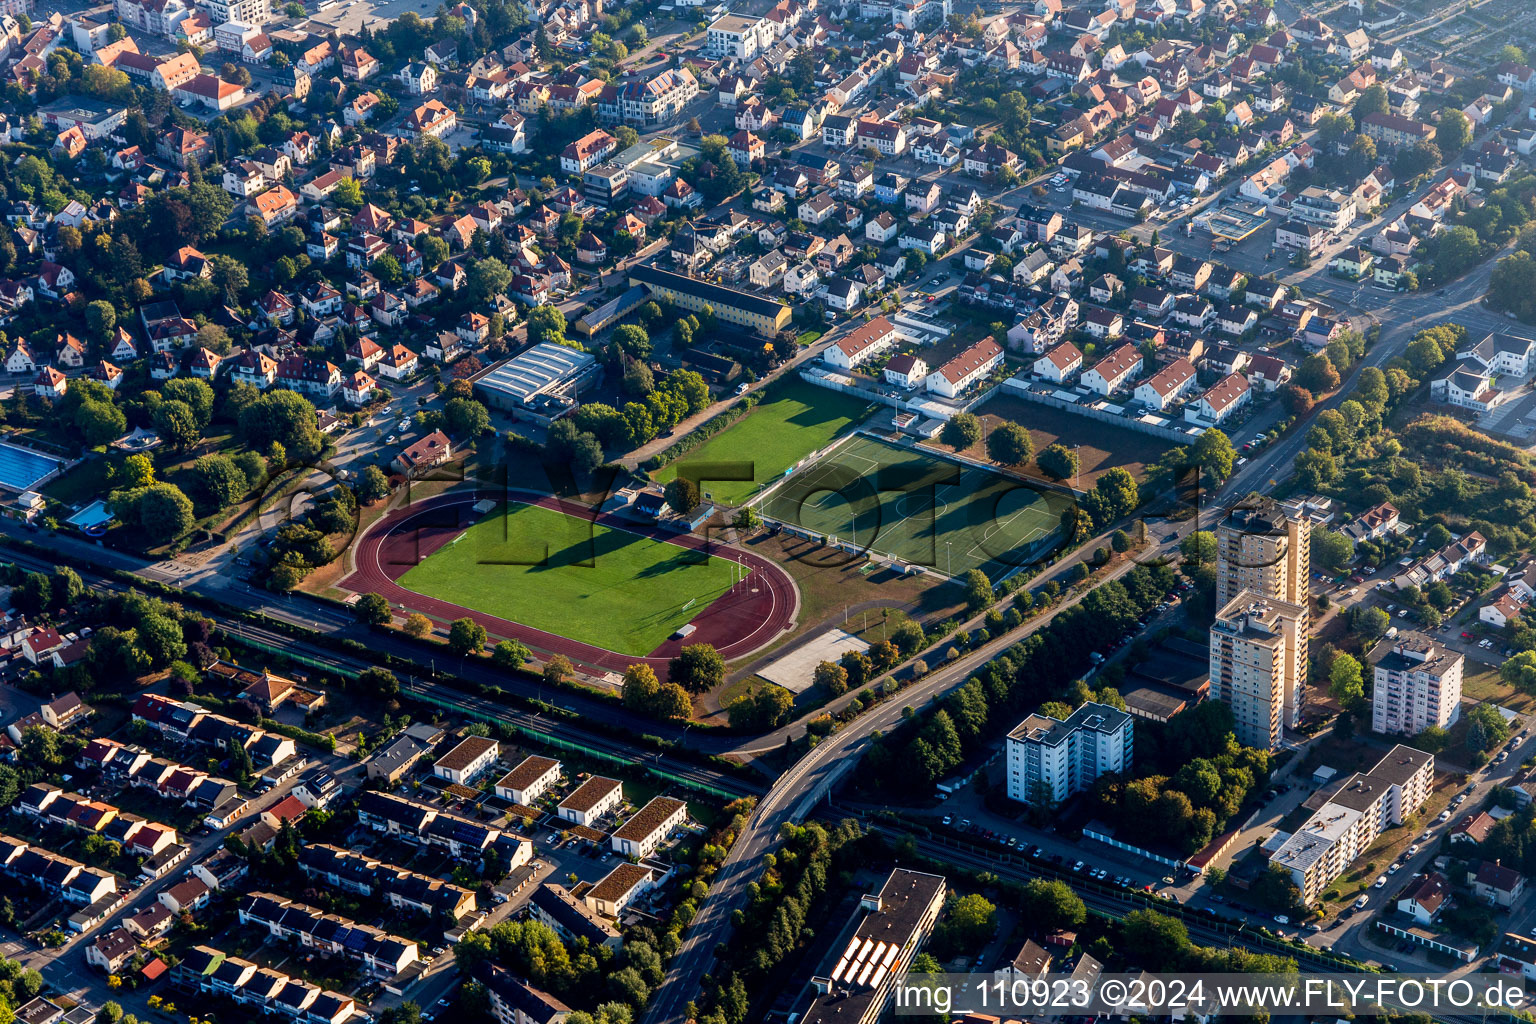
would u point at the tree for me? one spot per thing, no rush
(966, 923)
(1372, 624)
(961, 431)
(1199, 548)
(101, 318)
(1298, 400)
(177, 424)
(282, 417)
(1373, 100)
(682, 495)
(1457, 250)
(1010, 445)
(348, 194)
(40, 748)
(640, 687)
(1049, 904)
(1413, 162)
(372, 610)
(229, 274)
(465, 417)
(417, 625)
(1345, 682)
(1331, 549)
(215, 339)
(1113, 495)
(831, 676)
(1214, 454)
(1486, 728)
(546, 325)
(1317, 374)
(1333, 129)
(66, 587)
(558, 669)
(490, 277)
(632, 340)
(1155, 940)
(378, 682)
(978, 589)
(466, 636)
(372, 485)
(1520, 671)
(219, 481)
(1454, 131)
(99, 422)
(510, 655)
(1512, 286)
(697, 668)
(160, 511)
(1058, 461)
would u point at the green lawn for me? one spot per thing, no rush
(536, 566)
(795, 419)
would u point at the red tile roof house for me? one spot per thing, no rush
(288, 809)
(432, 450)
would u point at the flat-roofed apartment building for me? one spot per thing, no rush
(1259, 664)
(1050, 759)
(765, 316)
(1417, 684)
(875, 949)
(1264, 547)
(1350, 820)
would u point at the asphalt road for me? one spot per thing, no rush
(65, 968)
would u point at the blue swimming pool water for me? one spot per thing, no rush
(20, 468)
(94, 514)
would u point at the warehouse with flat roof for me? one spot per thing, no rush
(539, 384)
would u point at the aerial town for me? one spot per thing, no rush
(712, 511)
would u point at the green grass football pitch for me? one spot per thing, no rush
(796, 419)
(613, 589)
(921, 509)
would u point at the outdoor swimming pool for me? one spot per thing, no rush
(94, 517)
(21, 468)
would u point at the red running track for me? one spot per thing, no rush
(736, 623)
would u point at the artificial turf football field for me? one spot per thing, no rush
(794, 419)
(601, 586)
(913, 506)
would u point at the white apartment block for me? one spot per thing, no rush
(247, 12)
(738, 36)
(1417, 685)
(1049, 759)
(1259, 665)
(1327, 207)
(1351, 819)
